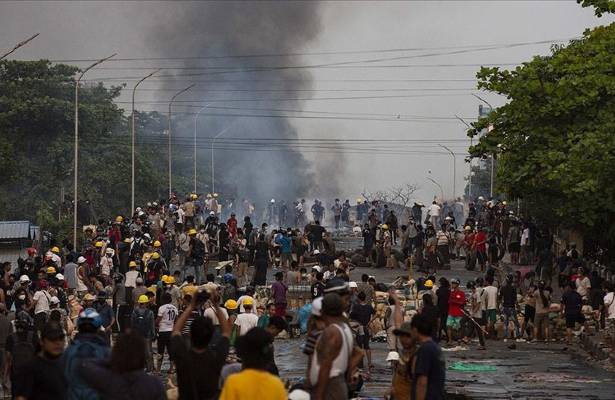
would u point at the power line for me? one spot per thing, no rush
(334, 52)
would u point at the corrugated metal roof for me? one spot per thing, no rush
(14, 230)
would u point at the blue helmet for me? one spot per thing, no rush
(89, 316)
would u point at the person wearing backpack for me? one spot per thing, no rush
(21, 346)
(88, 344)
(142, 322)
(43, 377)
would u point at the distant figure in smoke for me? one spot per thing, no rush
(337, 213)
(283, 214)
(346, 212)
(272, 212)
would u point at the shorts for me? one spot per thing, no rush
(491, 316)
(541, 321)
(530, 313)
(164, 338)
(363, 340)
(572, 319)
(453, 322)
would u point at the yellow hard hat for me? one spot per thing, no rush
(170, 280)
(119, 218)
(132, 264)
(55, 249)
(51, 270)
(359, 201)
(127, 240)
(99, 244)
(231, 304)
(467, 228)
(248, 301)
(192, 231)
(193, 196)
(157, 243)
(143, 299)
(504, 202)
(156, 256)
(428, 283)
(164, 278)
(385, 226)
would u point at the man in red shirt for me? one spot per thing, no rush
(456, 301)
(231, 225)
(480, 246)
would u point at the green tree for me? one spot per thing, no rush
(554, 139)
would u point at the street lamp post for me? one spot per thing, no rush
(196, 117)
(18, 45)
(471, 144)
(492, 156)
(454, 167)
(76, 166)
(438, 185)
(170, 104)
(132, 147)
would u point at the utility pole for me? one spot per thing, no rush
(454, 167)
(76, 166)
(18, 45)
(132, 147)
(471, 144)
(169, 118)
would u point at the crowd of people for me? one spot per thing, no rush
(165, 303)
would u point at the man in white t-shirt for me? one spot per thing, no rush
(583, 284)
(246, 297)
(490, 302)
(167, 313)
(247, 320)
(434, 213)
(41, 304)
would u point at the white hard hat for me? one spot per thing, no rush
(317, 306)
(24, 278)
(60, 277)
(393, 356)
(317, 268)
(352, 284)
(212, 213)
(299, 394)
(81, 260)
(54, 300)
(273, 200)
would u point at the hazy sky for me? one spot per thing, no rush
(441, 88)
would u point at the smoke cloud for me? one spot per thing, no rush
(205, 29)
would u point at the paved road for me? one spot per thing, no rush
(532, 371)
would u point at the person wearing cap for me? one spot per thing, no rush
(43, 376)
(22, 338)
(105, 311)
(106, 264)
(401, 384)
(142, 321)
(335, 355)
(199, 355)
(247, 319)
(41, 304)
(196, 253)
(429, 372)
(254, 381)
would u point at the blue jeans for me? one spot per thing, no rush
(511, 312)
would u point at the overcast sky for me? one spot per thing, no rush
(78, 30)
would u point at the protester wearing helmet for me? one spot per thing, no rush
(142, 321)
(87, 344)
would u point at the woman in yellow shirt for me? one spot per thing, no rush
(254, 382)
